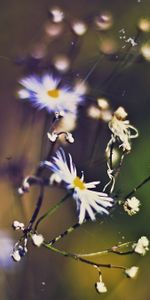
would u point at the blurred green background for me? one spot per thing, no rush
(124, 81)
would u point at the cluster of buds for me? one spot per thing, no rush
(54, 136)
(102, 111)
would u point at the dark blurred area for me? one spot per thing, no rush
(106, 58)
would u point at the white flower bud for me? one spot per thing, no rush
(52, 136)
(79, 27)
(69, 138)
(57, 14)
(103, 103)
(37, 239)
(16, 255)
(20, 191)
(18, 226)
(101, 287)
(131, 272)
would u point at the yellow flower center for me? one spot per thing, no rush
(78, 183)
(53, 93)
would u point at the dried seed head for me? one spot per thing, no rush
(120, 113)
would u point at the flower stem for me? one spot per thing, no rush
(81, 259)
(51, 210)
(137, 187)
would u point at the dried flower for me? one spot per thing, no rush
(121, 130)
(87, 200)
(142, 246)
(132, 206)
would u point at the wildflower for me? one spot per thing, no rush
(141, 247)
(37, 239)
(121, 130)
(131, 272)
(87, 201)
(131, 206)
(101, 287)
(43, 92)
(18, 226)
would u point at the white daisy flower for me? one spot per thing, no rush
(87, 200)
(142, 245)
(132, 206)
(43, 92)
(121, 130)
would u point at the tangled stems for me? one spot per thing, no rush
(77, 225)
(80, 258)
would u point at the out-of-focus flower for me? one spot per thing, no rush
(144, 24)
(131, 272)
(142, 246)
(18, 226)
(79, 27)
(121, 129)
(61, 63)
(87, 201)
(67, 124)
(108, 46)
(57, 14)
(53, 30)
(43, 92)
(100, 287)
(81, 87)
(132, 206)
(145, 51)
(37, 239)
(104, 21)
(94, 112)
(102, 112)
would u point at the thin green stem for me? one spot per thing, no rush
(81, 259)
(114, 250)
(137, 187)
(51, 210)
